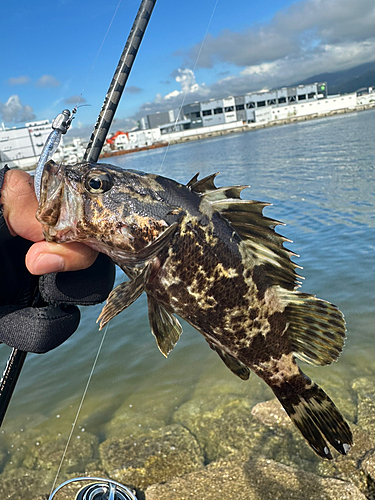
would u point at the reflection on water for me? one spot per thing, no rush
(320, 177)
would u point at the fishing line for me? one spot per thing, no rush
(97, 55)
(79, 408)
(185, 94)
(105, 331)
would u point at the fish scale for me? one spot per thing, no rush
(213, 259)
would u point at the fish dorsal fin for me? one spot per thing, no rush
(206, 187)
(205, 184)
(260, 241)
(164, 326)
(192, 181)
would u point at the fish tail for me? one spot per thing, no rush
(315, 415)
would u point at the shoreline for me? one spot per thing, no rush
(244, 128)
(247, 127)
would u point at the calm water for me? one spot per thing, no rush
(320, 177)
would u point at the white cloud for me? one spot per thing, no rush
(189, 91)
(189, 86)
(308, 38)
(48, 81)
(14, 111)
(19, 80)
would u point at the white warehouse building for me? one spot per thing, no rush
(21, 147)
(232, 109)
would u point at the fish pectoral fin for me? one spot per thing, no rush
(151, 250)
(234, 365)
(164, 326)
(123, 296)
(316, 328)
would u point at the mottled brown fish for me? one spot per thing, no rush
(214, 259)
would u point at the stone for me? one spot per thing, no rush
(258, 479)
(142, 413)
(365, 389)
(234, 427)
(347, 467)
(25, 484)
(41, 451)
(165, 453)
(221, 428)
(272, 414)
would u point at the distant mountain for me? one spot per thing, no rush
(348, 80)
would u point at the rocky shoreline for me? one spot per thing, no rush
(216, 447)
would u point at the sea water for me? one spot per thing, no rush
(320, 178)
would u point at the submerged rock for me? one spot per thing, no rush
(252, 451)
(348, 467)
(25, 484)
(365, 388)
(259, 479)
(141, 413)
(272, 414)
(163, 454)
(235, 427)
(36, 451)
(221, 427)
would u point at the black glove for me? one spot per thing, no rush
(38, 314)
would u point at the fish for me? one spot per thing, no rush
(204, 254)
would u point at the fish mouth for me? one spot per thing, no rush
(59, 207)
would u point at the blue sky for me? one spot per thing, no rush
(50, 52)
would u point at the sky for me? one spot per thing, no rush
(55, 54)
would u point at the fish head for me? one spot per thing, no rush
(106, 207)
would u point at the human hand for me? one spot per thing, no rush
(19, 208)
(38, 313)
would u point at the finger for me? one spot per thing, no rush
(20, 205)
(44, 257)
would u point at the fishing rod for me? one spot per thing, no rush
(9, 379)
(17, 357)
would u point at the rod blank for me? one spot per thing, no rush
(9, 379)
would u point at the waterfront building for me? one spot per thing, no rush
(21, 146)
(232, 109)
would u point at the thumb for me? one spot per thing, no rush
(20, 205)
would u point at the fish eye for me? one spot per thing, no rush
(97, 182)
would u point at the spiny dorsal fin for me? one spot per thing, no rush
(206, 187)
(192, 181)
(224, 193)
(260, 240)
(205, 184)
